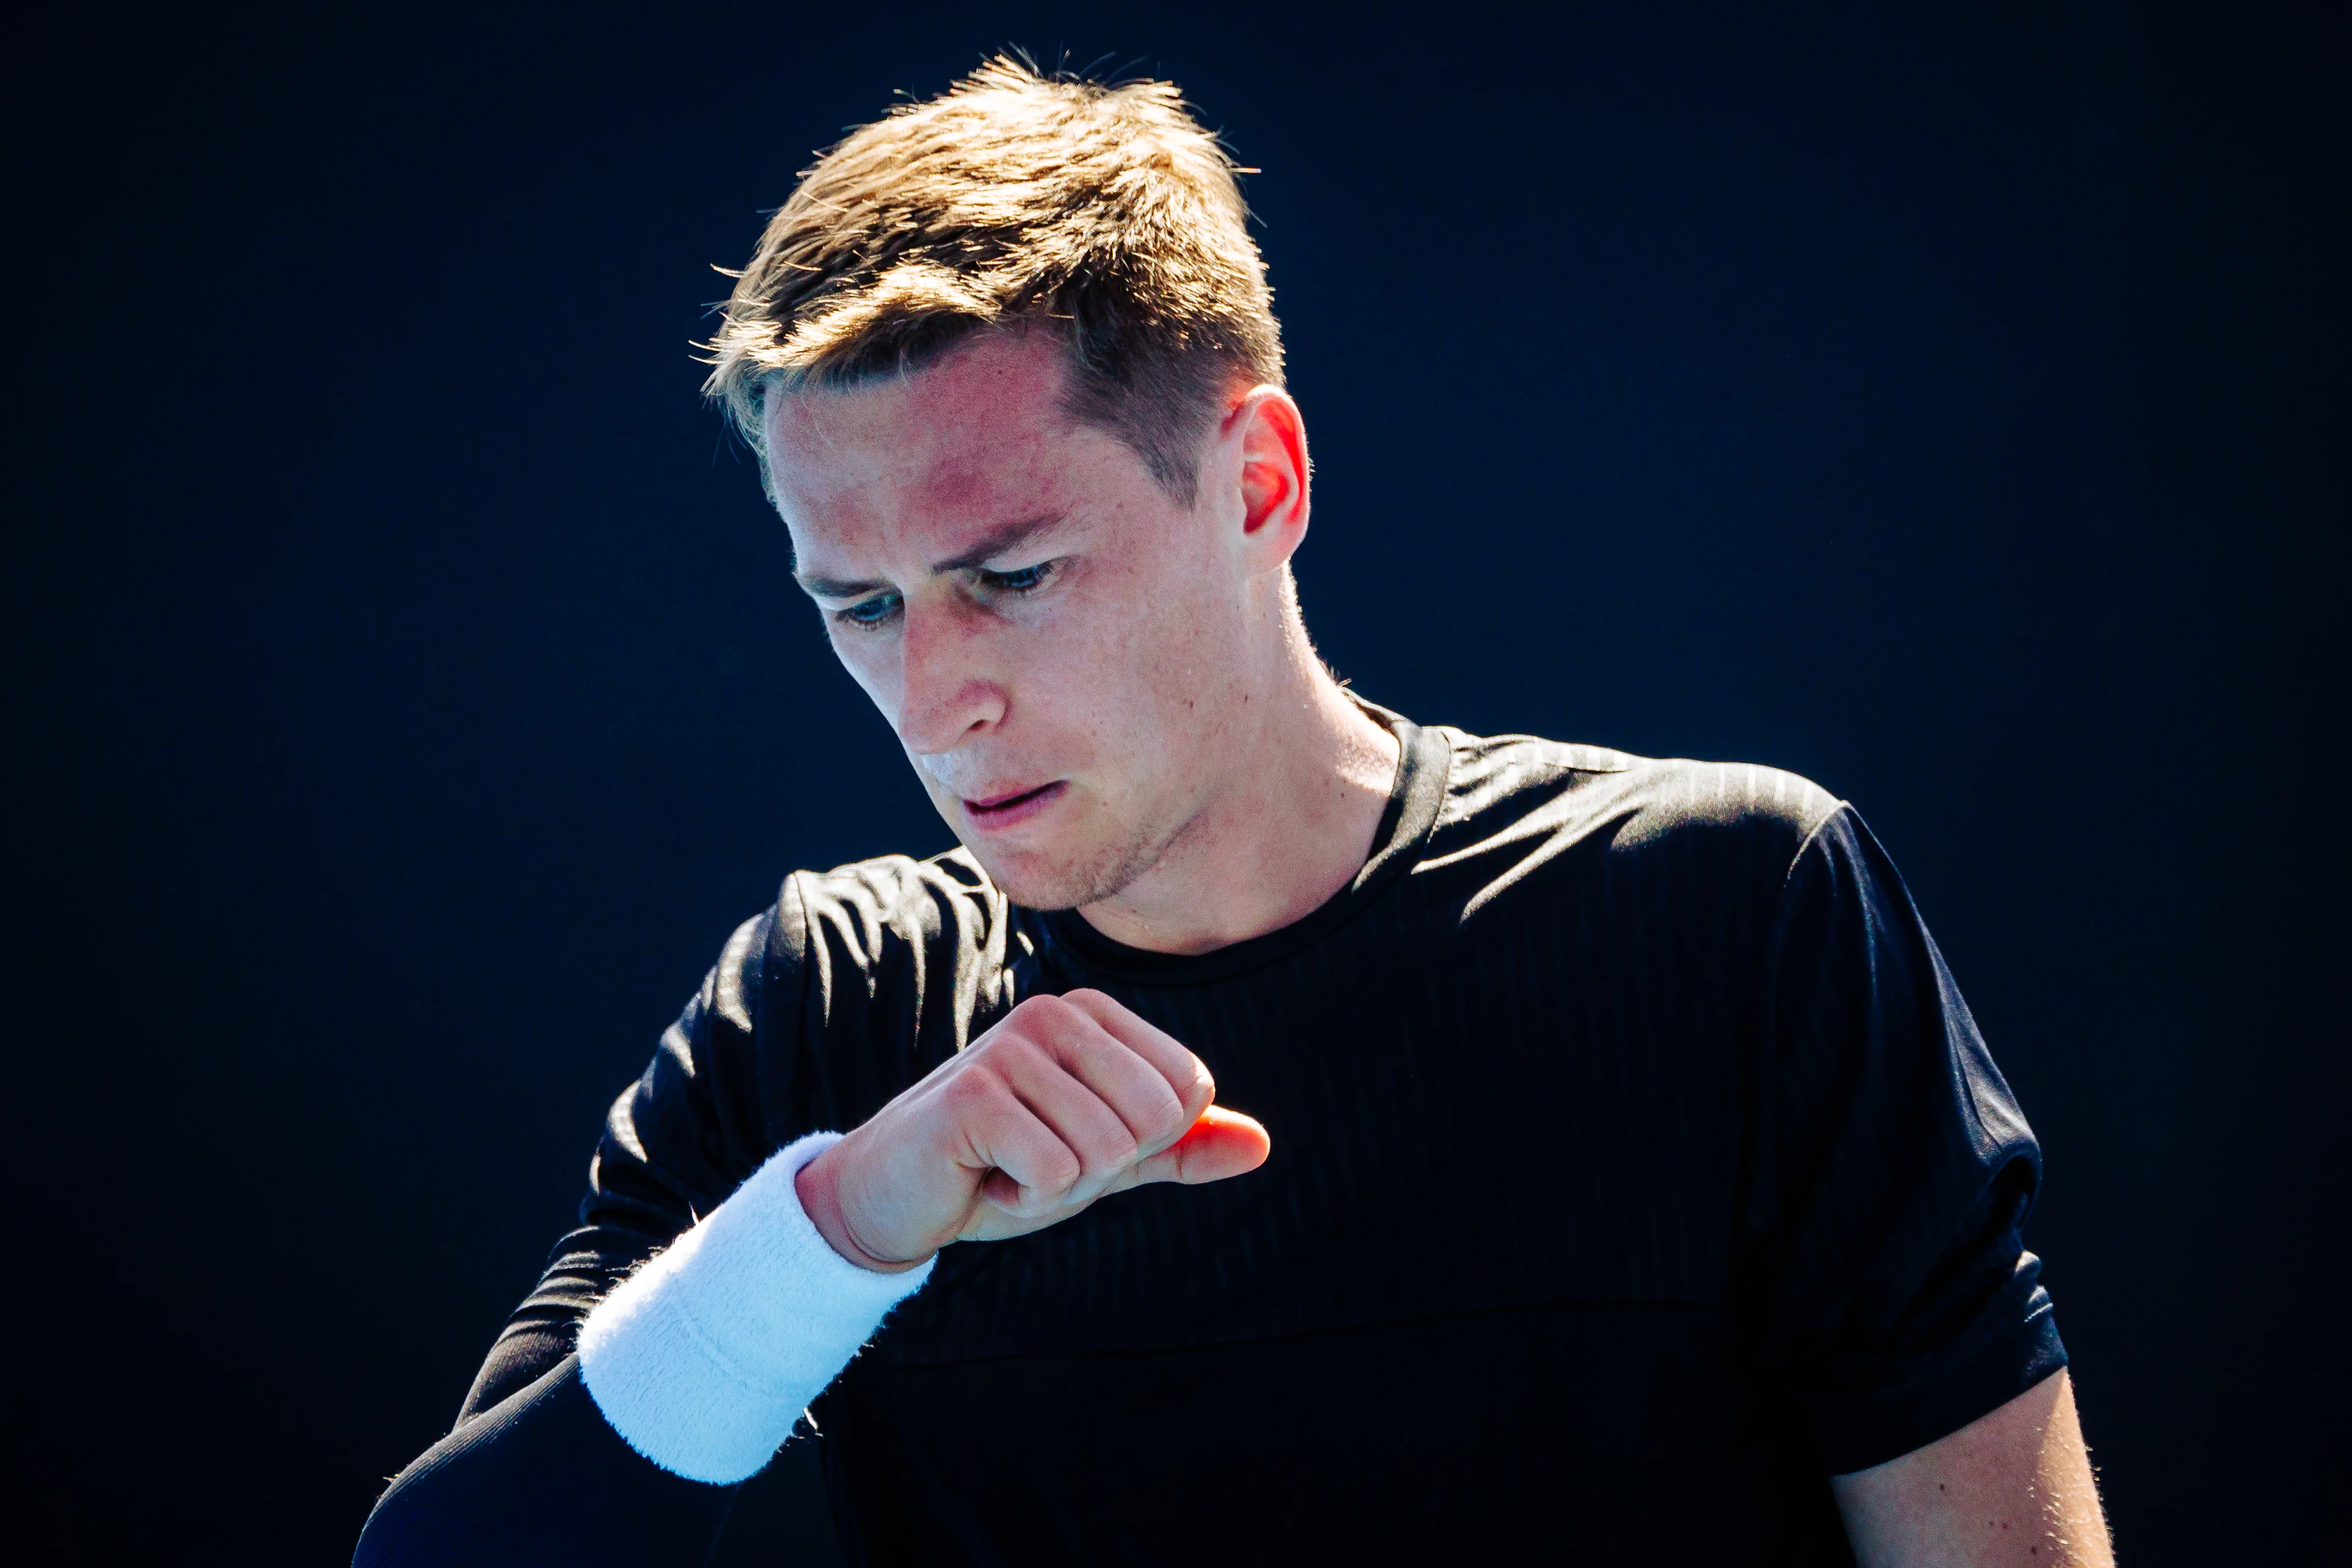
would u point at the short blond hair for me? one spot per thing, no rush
(1016, 200)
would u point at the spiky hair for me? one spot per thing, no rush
(1102, 213)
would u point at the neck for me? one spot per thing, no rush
(1310, 777)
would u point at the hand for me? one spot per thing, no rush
(1067, 1098)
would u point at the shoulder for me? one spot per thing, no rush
(1517, 800)
(860, 918)
(876, 972)
(860, 912)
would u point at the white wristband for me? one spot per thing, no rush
(705, 1357)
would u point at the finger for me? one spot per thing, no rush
(1001, 1135)
(1086, 1126)
(1185, 1073)
(1137, 1092)
(1222, 1143)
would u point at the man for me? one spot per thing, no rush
(1623, 1177)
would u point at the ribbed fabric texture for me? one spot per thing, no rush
(1631, 1094)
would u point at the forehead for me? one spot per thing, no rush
(949, 445)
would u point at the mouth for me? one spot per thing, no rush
(1000, 812)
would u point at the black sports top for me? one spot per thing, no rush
(1636, 1166)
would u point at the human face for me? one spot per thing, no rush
(1060, 647)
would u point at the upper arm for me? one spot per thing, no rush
(1891, 1295)
(2014, 1487)
(1899, 1308)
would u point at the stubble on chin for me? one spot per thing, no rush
(1040, 882)
(1099, 871)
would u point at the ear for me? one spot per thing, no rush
(1270, 436)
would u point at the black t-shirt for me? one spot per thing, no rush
(1636, 1166)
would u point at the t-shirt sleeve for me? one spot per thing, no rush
(1892, 1296)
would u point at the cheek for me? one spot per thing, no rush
(1184, 636)
(1133, 646)
(1144, 681)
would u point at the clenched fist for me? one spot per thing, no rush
(1067, 1098)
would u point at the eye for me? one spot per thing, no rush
(868, 614)
(1026, 579)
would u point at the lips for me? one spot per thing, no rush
(1002, 811)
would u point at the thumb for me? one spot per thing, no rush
(1221, 1143)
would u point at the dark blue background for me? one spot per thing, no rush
(406, 695)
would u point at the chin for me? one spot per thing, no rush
(1043, 881)
(1035, 884)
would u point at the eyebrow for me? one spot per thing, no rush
(984, 549)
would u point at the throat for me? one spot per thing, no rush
(1269, 854)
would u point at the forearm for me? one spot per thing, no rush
(704, 1358)
(2014, 1487)
(692, 1371)
(690, 1376)
(541, 1476)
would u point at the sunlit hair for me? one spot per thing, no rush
(1019, 201)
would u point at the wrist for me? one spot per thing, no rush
(703, 1358)
(818, 1186)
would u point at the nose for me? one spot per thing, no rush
(946, 695)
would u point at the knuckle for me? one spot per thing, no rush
(1166, 1120)
(1017, 1055)
(1113, 1150)
(1062, 1170)
(1006, 1053)
(1041, 1025)
(976, 1087)
(1041, 1012)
